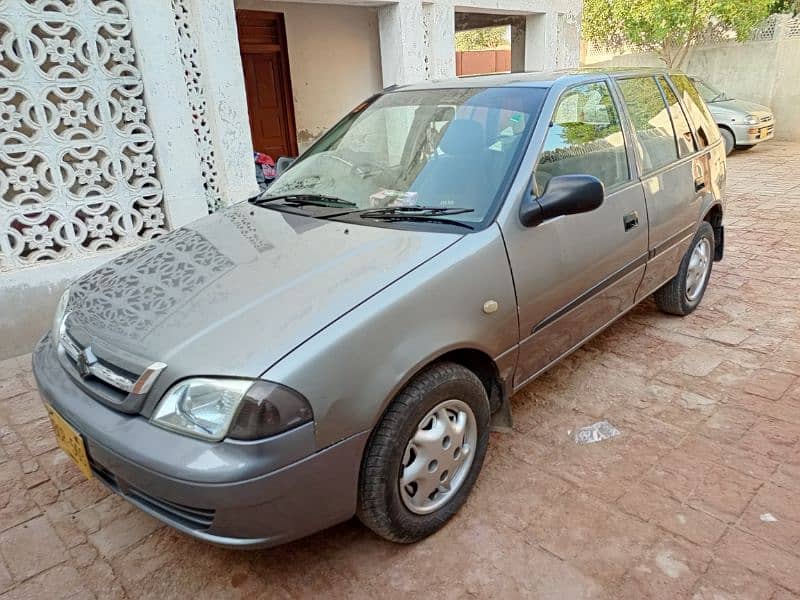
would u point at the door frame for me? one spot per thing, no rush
(282, 49)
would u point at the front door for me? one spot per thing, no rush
(576, 273)
(265, 62)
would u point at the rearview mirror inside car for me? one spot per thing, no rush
(563, 195)
(283, 163)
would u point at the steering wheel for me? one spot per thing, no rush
(340, 159)
(364, 168)
(367, 167)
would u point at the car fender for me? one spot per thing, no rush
(351, 370)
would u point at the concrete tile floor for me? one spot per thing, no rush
(696, 499)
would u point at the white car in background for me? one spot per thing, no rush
(742, 124)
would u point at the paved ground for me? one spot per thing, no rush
(696, 499)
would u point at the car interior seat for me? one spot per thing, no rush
(456, 174)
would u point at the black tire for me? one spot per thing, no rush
(672, 298)
(730, 141)
(380, 506)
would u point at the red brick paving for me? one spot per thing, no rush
(675, 507)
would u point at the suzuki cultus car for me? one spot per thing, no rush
(338, 345)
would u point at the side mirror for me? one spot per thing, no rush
(283, 163)
(563, 195)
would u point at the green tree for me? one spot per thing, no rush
(486, 38)
(669, 27)
(785, 6)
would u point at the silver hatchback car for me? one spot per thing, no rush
(341, 344)
(742, 124)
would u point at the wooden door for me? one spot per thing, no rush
(265, 62)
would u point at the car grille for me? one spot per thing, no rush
(118, 388)
(198, 519)
(106, 373)
(766, 118)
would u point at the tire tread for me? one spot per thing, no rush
(670, 298)
(373, 504)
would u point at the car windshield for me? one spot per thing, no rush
(439, 148)
(709, 93)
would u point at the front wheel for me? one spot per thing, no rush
(425, 454)
(728, 139)
(683, 293)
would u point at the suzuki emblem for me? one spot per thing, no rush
(84, 361)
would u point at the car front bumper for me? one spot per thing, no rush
(747, 135)
(187, 484)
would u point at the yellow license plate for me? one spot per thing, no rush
(70, 441)
(764, 131)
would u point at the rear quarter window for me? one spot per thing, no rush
(683, 132)
(707, 130)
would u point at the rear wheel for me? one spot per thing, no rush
(730, 141)
(425, 454)
(683, 293)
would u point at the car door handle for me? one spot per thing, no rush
(631, 220)
(699, 186)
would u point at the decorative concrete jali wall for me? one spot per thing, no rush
(109, 136)
(77, 169)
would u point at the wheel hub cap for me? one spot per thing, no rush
(699, 264)
(438, 457)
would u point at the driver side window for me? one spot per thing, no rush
(585, 137)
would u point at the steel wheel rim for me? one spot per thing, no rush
(697, 273)
(438, 457)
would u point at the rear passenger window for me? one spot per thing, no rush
(585, 137)
(682, 130)
(651, 121)
(707, 131)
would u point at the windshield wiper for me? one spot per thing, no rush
(431, 214)
(414, 210)
(307, 200)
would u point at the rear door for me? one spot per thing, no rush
(706, 134)
(673, 173)
(575, 273)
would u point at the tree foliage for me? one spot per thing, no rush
(669, 27)
(486, 38)
(785, 6)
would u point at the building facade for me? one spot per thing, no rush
(123, 119)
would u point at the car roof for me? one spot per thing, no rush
(540, 79)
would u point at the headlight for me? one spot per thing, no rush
(61, 312)
(751, 120)
(243, 409)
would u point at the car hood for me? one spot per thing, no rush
(734, 106)
(234, 292)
